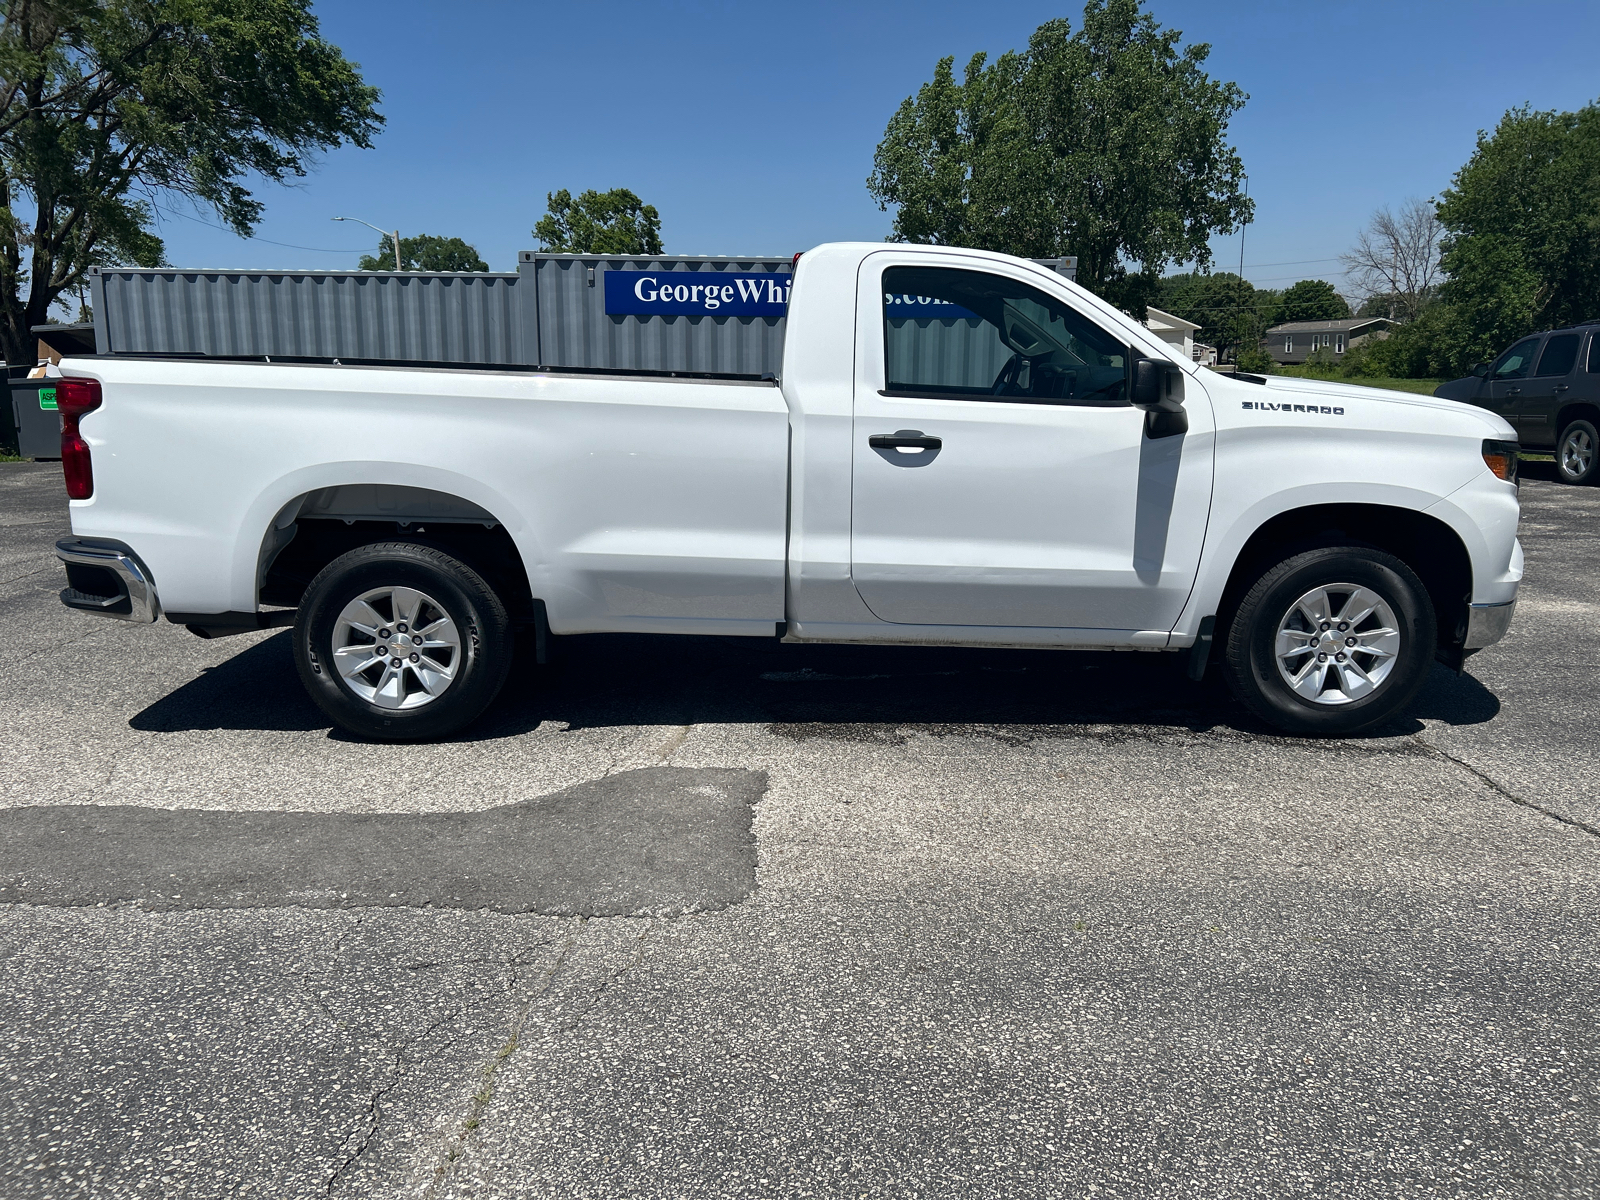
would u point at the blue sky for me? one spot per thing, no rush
(752, 126)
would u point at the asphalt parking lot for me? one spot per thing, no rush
(707, 918)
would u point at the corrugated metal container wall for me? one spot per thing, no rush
(466, 318)
(576, 331)
(551, 313)
(933, 350)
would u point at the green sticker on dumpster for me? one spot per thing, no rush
(47, 399)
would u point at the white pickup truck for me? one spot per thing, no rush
(963, 449)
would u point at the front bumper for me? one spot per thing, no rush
(107, 578)
(1487, 624)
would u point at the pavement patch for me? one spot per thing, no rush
(660, 840)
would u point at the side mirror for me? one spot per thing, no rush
(1153, 388)
(1481, 370)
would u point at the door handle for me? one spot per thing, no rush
(1510, 391)
(1559, 388)
(907, 441)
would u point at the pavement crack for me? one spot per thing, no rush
(374, 1113)
(27, 574)
(671, 745)
(1501, 790)
(594, 997)
(487, 1074)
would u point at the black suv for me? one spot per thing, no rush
(1548, 387)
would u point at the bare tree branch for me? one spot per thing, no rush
(1397, 258)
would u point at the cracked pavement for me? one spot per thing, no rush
(1015, 923)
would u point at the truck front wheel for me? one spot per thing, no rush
(400, 642)
(1331, 641)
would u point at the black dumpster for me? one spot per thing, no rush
(34, 418)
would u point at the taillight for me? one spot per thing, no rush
(74, 397)
(1501, 458)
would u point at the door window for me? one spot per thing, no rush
(1594, 354)
(970, 335)
(1514, 363)
(1560, 352)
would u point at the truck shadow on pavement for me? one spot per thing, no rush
(842, 692)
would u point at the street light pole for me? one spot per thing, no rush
(386, 233)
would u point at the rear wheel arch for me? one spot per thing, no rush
(1427, 545)
(1578, 410)
(318, 526)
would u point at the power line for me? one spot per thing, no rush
(250, 236)
(1299, 262)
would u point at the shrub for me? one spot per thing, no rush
(1427, 348)
(1254, 360)
(1321, 362)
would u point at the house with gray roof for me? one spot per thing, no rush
(1294, 341)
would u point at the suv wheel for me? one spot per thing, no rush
(400, 642)
(1331, 641)
(1578, 453)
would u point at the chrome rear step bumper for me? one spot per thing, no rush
(107, 578)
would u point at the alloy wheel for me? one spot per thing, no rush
(1576, 455)
(396, 647)
(1337, 643)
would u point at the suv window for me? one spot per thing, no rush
(1514, 363)
(1560, 352)
(1594, 352)
(970, 335)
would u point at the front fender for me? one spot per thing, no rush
(1224, 544)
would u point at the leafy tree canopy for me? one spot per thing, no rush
(1229, 311)
(1521, 250)
(1109, 143)
(1311, 300)
(425, 252)
(109, 104)
(614, 222)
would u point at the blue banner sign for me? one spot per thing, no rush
(898, 307)
(698, 293)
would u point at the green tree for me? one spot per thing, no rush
(1109, 144)
(1311, 300)
(425, 252)
(108, 105)
(614, 222)
(1521, 250)
(1230, 312)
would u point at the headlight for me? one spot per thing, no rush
(1501, 458)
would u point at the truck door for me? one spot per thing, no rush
(1508, 378)
(1000, 476)
(1544, 391)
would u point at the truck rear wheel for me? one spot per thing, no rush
(400, 642)
(1331, 641)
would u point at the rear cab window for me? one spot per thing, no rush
(969, 335)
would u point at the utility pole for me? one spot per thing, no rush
(1242, 319)
(394, 235)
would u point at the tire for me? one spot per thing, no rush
(1578, 453)
(449, 669)
(1331, 699)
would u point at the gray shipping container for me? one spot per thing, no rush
(549, 314)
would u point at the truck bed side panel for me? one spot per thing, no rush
(636, 504)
